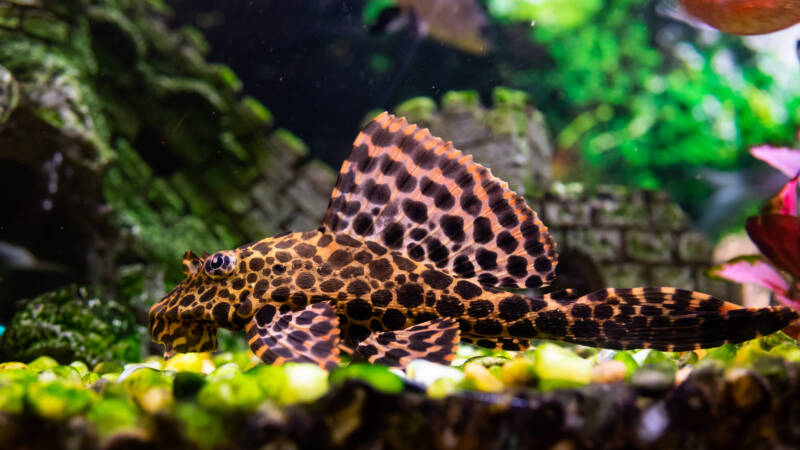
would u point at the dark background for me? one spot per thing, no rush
(319, 69)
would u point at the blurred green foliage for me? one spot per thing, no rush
(550, 13)
(640, 111)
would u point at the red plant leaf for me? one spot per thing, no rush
(793, 331)
(787, 160)
(752, 269)
(778, 238)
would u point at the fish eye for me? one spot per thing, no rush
(220, 264)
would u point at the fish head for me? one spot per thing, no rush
(187, 318)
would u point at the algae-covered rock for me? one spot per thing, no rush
(70, 324)
(9, 94)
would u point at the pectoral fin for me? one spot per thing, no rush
(434, 341)
(307, 335)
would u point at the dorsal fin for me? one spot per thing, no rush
(415, 193)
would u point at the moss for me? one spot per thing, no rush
(228, 76)
(185, 185)
(126, 30)
(461, 101)
(165, 199)
(417, 109)
(232, 145)
(8, 17)
(257, 111)
(45, 25)
(510, 98)
(283, 138)
(71, 324)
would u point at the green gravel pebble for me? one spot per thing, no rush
(90, 378)
(12, 397)
(186, 385)
(63, 373)
(41, 363)
(56, 400)
(786, 351)
(204, 427)
(558, 367)
(378, 377)
(724, 353)
(271, 379)
(223, 372)
(304, 383)
(80, 366)
(442, 387)
(107, 367)
(113, 415)
(239, 393)
(630, 364)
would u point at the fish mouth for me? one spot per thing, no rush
(177, 334)
(186, 337)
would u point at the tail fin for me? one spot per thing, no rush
(660, 318)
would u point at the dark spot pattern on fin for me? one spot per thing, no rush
(307, 335)
(498, 343)
(433, 341)
(437, 204)
(661, 318)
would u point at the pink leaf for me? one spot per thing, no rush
(788, 301)
(752, 269)
(785, 203)
(787, 160)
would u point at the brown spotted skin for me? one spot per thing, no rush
(415, 242)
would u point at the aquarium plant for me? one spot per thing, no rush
(776, 233)
(643, 101)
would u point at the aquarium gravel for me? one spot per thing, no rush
(209, 397)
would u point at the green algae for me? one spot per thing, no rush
(70, 324)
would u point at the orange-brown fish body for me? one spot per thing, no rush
(745, 17)
(417, 241)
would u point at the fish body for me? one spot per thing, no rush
(456, 23)
(745, 17)
(415, 248)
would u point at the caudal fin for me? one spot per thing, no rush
(660, 318)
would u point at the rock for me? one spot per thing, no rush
(646, 246)
(70, 324)
(609, 372)
(479, 376)
(9, 94)
(748, 391)
(653, 379)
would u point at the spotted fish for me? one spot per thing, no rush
(412, 255)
